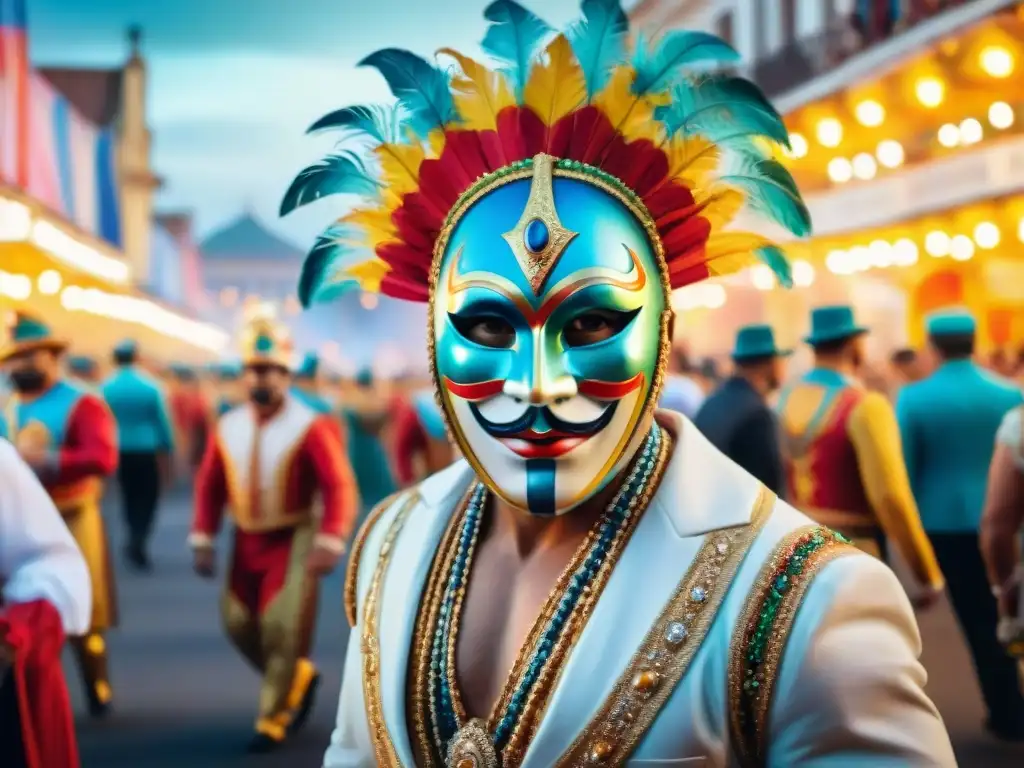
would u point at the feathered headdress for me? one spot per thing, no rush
(692, 150)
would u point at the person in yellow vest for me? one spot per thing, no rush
(280, 467)
(67, 435)
(843, 457)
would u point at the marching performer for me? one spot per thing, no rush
(68, 437)
(844, 461)
(308, 384)
(227, 377)
(46, 597)
(269, 463)
(421, 444)
(365, 415)
(556, 205)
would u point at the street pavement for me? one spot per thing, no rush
(184, 699)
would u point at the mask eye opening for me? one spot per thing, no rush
(593, 326)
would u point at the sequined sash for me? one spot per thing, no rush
(669, 647)
(763, 630)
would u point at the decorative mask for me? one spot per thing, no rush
(545, 210)
(547, 327)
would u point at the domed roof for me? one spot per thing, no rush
(247, 239)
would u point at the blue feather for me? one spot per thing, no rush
(719, 106)
(322, 278)
(422, 89)
(341, 174)
(661, 66)
(773, 257)
(513, 38)
(599, 41)
(379, 123)
(772, 193)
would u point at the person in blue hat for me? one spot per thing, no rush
(68, 436)
(365, 417)
(949, 422)
(307, 384)
(146, 443)
(737, 419)
(84, 370)
(841, 450)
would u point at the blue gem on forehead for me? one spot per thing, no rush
(536, 236)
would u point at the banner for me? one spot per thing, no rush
(47, 148)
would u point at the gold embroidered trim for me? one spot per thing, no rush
(383, 747)
(749, 739)
(669, 647)
(351, 589)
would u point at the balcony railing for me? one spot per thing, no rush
(873, 22)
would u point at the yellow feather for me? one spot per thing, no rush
(367, 273)
(480, 94)
(375, 222)
(692, 160)
(722, 207)
(730, 264)
(400, 166)
(556, 85)
(726, 244)
(435, 143)
(631, 116)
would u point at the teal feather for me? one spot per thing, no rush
(716, 106)
(341, 174)
(382, 124)
(771, 192)
(319, 281)
(513, 38)
(422, 89)
(599, 41)
(773, 257)
(660, 66)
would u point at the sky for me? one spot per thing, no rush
(235, 83)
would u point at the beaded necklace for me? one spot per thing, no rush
(447, 717)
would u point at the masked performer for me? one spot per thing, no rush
(69, 438)
(421, 444)
(672, 607)
(271, 463)
(46, 596)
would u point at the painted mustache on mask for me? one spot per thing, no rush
(556, 437)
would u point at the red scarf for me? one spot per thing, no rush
(35, 633)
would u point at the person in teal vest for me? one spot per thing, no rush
(306, 384)
(365, 416)
(84, 370)
(948, 423)
(146, 441)
(227, 376)
(67, 435)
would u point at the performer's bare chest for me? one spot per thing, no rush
(504, 598)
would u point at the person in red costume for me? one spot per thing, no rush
(272, 464)
(68, 436)
(421, 444)
(46, 596)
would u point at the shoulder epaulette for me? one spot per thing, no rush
(351, 591)
(763, 630)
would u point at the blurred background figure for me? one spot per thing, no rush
(907, 366)
(146, 444)
(227, 387)
(420, 440)
(191, 416)
(84, 370)
(736, 417)
(309, 385)
(683, 392)
(365, 414)
(948, 423)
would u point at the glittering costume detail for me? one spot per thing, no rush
(383, 747)
(763, 630)
(539, 238)
(351, 588)
(669, 647)
(440, 720)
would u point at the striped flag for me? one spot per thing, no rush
(14, 93)
(46, 147)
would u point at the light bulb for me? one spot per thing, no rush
(961, 248)
(971, 131)
(797, 145)
(890, 153)
(870, 113)
(930, 91)
(987, 235)
(904, 252)
(829, 132)
(840, 170)
(949, 135)
(997, 62)
(49, 282)
(937, 244)
(762, 277)
(838, 262)
(1000, 115)
(864, 166)
(803, 273)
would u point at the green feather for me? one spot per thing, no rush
(771, 192)
(341, 174)
(773, 257)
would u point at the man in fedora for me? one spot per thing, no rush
(67, 435)
(842, 453)
(949, 422)
(736, 417)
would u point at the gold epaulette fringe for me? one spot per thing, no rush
(351, 591)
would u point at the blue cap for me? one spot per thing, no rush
(126, 347)
(756, 341)
(364, 378)
(309, 367)
(833, 324)
(951, 322)
(81, 365)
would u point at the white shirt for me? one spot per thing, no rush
(1011, 434)
(39, 559)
